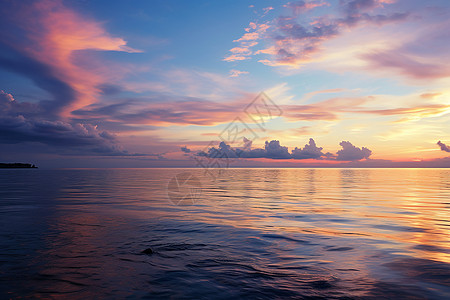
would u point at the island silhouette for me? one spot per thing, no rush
(17, 166)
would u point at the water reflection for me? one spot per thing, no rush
(265, 233)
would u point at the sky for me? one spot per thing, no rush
(347, 83)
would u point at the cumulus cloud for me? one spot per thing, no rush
(443, 146)
(274, 150)
(20, 122)
(409, 65)
(309, 151)
(352, 153)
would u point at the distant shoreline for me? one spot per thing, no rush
(17, 166)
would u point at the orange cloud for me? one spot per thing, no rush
(247, 41)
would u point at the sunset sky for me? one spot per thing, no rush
(156, 83)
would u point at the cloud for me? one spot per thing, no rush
(237, 73)
(43, 42)
(9, 106)
(296, 43)
(430, 95)
(352, 153)
(41, 74)
(297, 39)
(21, 122)
(408, 65)
(443, 146)
(165, 110)
(274, 150)
(6, 98)
(299, 7)
(185, 149)
(267, 9)
(309, 151)
(76, 138)
(247, 42)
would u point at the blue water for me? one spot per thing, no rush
(248, 234)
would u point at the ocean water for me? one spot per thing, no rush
(247, 234)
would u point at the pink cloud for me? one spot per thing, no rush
(407, 65)
(247, 41)
(294, 42)
(267, 9)
(299, 7)
(235, 57)
(58, 34)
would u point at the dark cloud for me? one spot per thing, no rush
(83, 137)
(355, 6)
(352, 153)
(185, 149)
(408, 65)
(20, 123)
(443, 146)
(160, 109)
(274, 150)
(42, 75)
(309, 151)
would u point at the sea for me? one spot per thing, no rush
(235, 234)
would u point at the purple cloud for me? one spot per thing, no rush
(22, 122)
(443, 146)
(352, 153)
(309, 151)
(274, 150)
(185, 149)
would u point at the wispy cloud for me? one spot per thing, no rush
(21, 122)
(352, 153)
(296, 42)
(247, 42)
(54, 35)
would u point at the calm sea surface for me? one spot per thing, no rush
(250, 234)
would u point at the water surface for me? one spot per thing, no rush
(252, 233)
